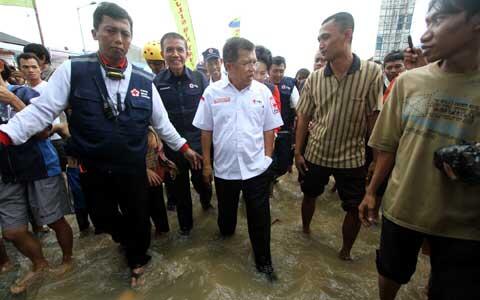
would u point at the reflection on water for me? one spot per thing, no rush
(204, 266)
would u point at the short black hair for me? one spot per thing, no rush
(264, 55)
(39, 50)
(26, 56)
(173, 35)
(393, 56)
(471, 7)
(278, 60)
(344, 19)
(111, 10)
(302, 72)
(233, 45)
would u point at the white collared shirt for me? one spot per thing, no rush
(54, 100)
(238, 120)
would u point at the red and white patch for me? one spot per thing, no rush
(221, 100)
(274, 104)
(135, 93)
(202, 98)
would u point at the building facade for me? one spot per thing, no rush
(393, 26)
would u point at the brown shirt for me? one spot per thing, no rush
(339, 109)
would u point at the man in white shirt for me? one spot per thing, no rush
(239, 115)
(112, 104)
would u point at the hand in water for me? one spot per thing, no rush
(368, 210)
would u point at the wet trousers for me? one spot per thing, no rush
(118, 205)
(158, 212)
(256, 195)
(179, 189)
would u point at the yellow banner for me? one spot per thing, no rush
(22, 3)
(184, 27)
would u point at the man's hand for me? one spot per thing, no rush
(207, 174)
(413, 58)
(44, 134)
(368, 210)
(193, 158)
(5, 95)
(153, 178)
(301, 164)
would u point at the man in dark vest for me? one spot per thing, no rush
(289, 95)
(181, 90)
(112, 103)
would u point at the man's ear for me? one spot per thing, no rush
(94, 34)
(349, 34)
(227, 66)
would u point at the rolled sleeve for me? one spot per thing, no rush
(375, 93)
(204, 117)
(294, 97)
(389, 126)
(306, 104)
(162, 124)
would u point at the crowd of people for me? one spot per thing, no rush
(111, 135)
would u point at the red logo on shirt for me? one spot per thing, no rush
(135, 92)
(221, 100)
(274, 104)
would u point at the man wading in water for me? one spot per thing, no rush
(112, 104)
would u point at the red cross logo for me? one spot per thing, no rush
(135, 93)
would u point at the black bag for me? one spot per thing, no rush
(464, 160)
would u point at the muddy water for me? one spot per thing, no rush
(204, 266)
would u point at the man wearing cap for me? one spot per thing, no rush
(213, 62)
(181, 89)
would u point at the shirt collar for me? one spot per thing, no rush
(187, 73)
(354, 67)
(225, 81)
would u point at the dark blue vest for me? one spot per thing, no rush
(101, 143)
(285, 87)
(181, 97)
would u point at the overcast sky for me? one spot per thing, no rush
(287, 28)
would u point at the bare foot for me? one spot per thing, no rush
(62, 269)
(345, 255)
(6, 267)
(137, 277)
(31, 277)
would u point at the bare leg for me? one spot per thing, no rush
(387, 288)
(64, 234)
(29, 246)
(350, 229)
(136, 277)
(308, 209)
(5, 263)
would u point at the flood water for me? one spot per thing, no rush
(203, 266)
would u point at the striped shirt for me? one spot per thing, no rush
(339, 109)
